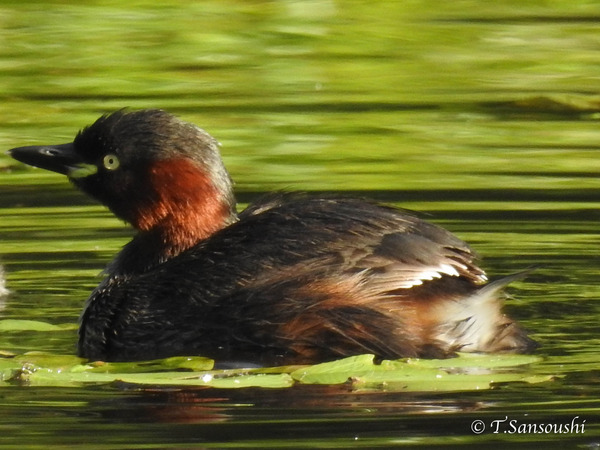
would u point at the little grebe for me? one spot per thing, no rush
(291, 279)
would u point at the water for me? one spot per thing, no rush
(483, 116)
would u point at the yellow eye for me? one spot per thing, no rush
(111, 162)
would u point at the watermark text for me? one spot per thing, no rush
(507, 425)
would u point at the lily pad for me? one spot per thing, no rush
(193, 363)
(33, 325)
(465, 372)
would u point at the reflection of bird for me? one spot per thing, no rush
(293, 278)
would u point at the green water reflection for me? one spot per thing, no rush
(482, 115)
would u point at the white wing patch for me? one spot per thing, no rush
(432, 273)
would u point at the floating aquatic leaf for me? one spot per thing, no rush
(472, 360)
(334, 372)
(32, 325)
(44, 377)
(194, 363)
(465, 372)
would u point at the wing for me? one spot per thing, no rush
(394, 248)
(402, 260)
